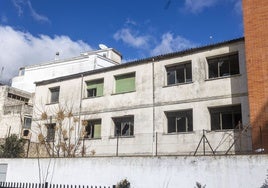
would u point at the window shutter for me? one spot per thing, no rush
(98, 84)
(97, 130)
(125, 83)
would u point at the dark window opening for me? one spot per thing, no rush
(179, 74)
(50, 132)
(27, 122)
(124, 126)
(226, 117)
(180, 121)
(54, 94)
(17, 97)
(223, 66)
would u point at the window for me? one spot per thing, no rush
(93, 129)
(125, 83)
(27, 122)
(124, 126)
(223, 66)
(95, 88)
(181, 73)
(51, 132)
(54, 94)
(180, 121)
(225, 117)
(3, 172)
(17, 97)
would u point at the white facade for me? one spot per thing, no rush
(57, 68)
(152, 101)
(15, 109)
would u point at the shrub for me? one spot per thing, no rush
(13, 147)
(123, 184)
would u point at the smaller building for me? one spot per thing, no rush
(104, 57)
(15, 112)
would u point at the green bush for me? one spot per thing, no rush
(13, 147)
(123, 184)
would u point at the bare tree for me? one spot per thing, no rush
(61, 132)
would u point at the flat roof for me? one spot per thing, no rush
(141, 61)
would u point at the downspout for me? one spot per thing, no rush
(80, 105)
(153, 84)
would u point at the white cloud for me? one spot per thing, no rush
(19, 49)
(20, 6)
(169, 43)
(133, 40)
(35, 15)
(197, 6)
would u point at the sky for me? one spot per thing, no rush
(32, 31)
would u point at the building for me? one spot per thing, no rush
(15, 112)
(91, 60)
(162, 105)
(256, 45)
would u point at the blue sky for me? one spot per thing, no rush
(32, 31)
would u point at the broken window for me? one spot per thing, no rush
(50, 132)
(125, 83)
(124, 126)
(95, 88)
(181, 73)
(93, 129)
(223, 66)
(54, 94)
(180, 121)
(226, 117)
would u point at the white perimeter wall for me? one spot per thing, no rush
(144, 172)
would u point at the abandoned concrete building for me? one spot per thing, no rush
(15, 112)
(160, 105)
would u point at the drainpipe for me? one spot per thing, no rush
(153, 84)
(80, 105)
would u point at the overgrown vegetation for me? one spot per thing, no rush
(123, 184)
(13, 147)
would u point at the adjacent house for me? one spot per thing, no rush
(15, 112)
(91, 60)
(162, 105)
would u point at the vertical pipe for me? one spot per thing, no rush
(153, 85)
(117, 140)
(204, 142)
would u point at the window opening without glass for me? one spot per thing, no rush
(124, 126)
(181, 73)
(228, 117)
(179, 121)
(223, 66)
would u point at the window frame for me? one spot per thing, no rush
(125, 76)
(175, 68)
(24, 122)
(223, 59)
(53, 99)
(91, 125)
(98, 89)
(174, 115)
(216, 116)
(118, 128)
